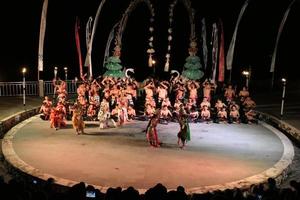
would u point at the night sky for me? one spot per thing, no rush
(20, 21)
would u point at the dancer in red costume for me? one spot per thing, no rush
(151, 131)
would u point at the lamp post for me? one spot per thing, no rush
(66, 73)
(246, 74)
(283, 80)
(55, 73)
(24, 86)
(153, 63)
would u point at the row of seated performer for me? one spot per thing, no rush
(126, 99)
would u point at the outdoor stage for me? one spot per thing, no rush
(218, 156)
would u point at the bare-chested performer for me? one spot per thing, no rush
(46, 108)
(208, 87)
(234, 115)
(193, 87)
(229, 93)
(205, 114)
(243, 94)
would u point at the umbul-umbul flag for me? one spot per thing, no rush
(229, 57)
(221, 75)
(272, 68)
(77, 39)
(42, 36)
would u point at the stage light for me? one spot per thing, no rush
(283, 80)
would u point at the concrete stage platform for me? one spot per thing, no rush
(218, 156)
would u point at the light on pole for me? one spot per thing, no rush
(246, 74)
(66, 73)
(283, 80)
(55, 72)
(24, 86)
(153, 63)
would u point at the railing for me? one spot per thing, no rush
(16, 88)
(32, 88)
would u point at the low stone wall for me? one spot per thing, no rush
(286, 128)
(7, 123)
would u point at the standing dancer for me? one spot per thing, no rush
(77, 119)
(184, 132)
(151, 131)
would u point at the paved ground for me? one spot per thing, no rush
(11, 105)
(268, 101)
(217, 154)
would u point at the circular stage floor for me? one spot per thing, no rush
(218, 155)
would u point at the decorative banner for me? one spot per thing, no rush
(272, 68)
(92, 38)
(108, 43)
(42, 36)
(123, 23)
(77, 39)
(221, 76)
(188, 6)
(215, 42)
(88, 34)
(204, 44)
(229, 57)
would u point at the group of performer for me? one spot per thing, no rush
(115, 101)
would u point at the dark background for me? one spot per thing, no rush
(20, 21)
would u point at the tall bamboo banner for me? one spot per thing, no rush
(221, 75)
(108, 43)
(78, 46)
(123, 22)
(230, 53)
(88, 34)
(42, 37)
(272, 68)
(215, 51)
(95, 24)
(204, 43)
(188, 5)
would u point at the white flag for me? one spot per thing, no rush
(272, 68)
(42, 36)
(229, 57)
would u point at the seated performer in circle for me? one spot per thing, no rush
(131, 113)
(205, 114)
(251, 116)
(234, 115)
(243, 94)
(194, 114)
(165, 114)
(46, 108)
(222, 115)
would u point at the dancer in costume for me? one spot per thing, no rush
(151, 131)
(77, 119)
(184, 132)
(104, 115)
